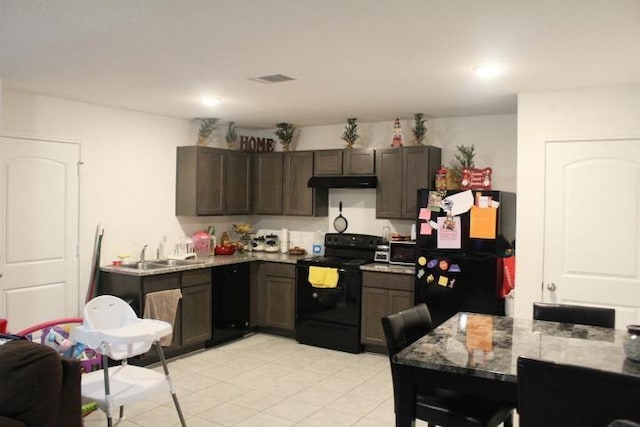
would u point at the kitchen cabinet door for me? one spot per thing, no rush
(276, 296)
(298, 199)
(196, 306)
(359, 161)
(327, 162)
(238, 180)
(374, 307)
(389, 189)
(383, 294)
(267, 187)
(419, 166)
(401, 172)
(196, 315)
(200, 181)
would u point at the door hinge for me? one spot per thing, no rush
(80, 167)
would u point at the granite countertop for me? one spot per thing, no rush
(214, 261)
(488, 346)
(383, 267)
(220, 260)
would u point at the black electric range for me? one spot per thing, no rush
(329, 315)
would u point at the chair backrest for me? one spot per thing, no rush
(566, 313)
(405, 327)
(552, 394)
(402, 329)
(108, 312)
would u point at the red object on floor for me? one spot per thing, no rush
(3, 326)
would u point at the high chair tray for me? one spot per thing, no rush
(143, 330)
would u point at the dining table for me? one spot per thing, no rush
(477, 354)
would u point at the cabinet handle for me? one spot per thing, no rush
(551, 287)
(314, 295)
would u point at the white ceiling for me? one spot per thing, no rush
(371, 59)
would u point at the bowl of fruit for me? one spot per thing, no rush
(242, 228)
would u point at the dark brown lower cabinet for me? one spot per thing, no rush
(383, 294)
(196, 315)
(276, 296)
(196, 307)
(192, 325)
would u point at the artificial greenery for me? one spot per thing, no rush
(232, 136)
(285, 133)
(463, 159)
(207, 126)
(419, 129)
(350, 134)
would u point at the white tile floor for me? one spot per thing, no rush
(265, 380)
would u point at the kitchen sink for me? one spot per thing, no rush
(159, 263)
(175, 262)
(144, 265)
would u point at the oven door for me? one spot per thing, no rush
(329, 317)
(339, 305)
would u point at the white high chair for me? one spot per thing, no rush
(111, 327)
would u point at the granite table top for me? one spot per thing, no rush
(488, 346)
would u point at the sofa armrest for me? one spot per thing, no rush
(32, 377)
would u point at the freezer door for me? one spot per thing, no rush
(427, 238)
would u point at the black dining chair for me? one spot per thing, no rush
(569, 313)
(436, 406)
(553, 394)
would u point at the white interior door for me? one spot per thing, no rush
(592, 225)
(38, 230)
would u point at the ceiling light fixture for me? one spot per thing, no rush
(209, 101)
(488, 71)
(272, 78)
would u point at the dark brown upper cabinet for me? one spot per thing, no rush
(298, 199)
(211, 181)
(350, 161)
(401, 172)
(238, 184)
(267, 187)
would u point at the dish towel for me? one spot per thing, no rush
(323, 277)
(162, 305)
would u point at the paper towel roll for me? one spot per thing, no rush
(284, 241)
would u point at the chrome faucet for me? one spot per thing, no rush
(144, 248)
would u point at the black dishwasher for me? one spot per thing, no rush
(230, 302)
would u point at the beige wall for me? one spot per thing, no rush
(128, 177)
(601, 113)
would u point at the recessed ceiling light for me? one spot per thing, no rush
(209, 101)
(488, 71)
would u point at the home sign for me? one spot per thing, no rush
(256, 144)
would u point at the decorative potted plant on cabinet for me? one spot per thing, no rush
(350, 134)
(419, 130)
(232, 136)
(285, 133)
(465, 158)
(207, 126)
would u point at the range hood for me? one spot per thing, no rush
(343, 181)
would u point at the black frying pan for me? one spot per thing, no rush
(340, 223)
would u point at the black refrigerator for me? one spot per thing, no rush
(461, 240)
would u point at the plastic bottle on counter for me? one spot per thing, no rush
(318, 243)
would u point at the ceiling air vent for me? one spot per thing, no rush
(273, 78)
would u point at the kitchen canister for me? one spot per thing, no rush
(284, 241)
(271, 243)
(631, 343)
